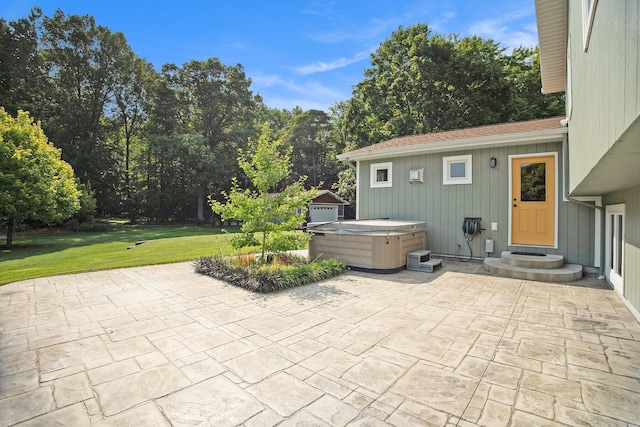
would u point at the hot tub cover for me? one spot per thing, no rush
(368, 226)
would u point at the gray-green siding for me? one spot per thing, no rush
(443, 207)
(631, 268)
(605, 87)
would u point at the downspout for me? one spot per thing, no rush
(565, 170)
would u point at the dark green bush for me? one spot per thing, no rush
(284, 271)
(72, 225)
(94, 227)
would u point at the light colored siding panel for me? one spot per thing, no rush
(632, 71)
(631, 199)
(443, 207)
(436, 201)
(605, 84)
(572, 231)
(501, 202)
(587, 240)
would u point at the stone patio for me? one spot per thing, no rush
(163, 346)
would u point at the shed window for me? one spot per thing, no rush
(456, 170)
(381, 175)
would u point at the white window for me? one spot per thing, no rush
(381, 175)
(456, 170)
(588, 12)
(614, 266)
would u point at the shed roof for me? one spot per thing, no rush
(541, 130)
(326, 196)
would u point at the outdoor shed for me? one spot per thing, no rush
(326, 207)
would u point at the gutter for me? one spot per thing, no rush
(347, 161)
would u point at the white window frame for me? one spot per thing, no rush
(447, 179)
(615, 240)
(375, 167)
(569, 90)
(588, 14)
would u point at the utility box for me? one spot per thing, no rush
(488, 245)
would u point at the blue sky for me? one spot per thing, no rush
(304, 53)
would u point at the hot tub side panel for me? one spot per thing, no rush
(372, 252)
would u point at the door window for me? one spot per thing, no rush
(533, 178)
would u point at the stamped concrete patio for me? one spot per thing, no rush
(163, 346)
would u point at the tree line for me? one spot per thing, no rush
(154, 144)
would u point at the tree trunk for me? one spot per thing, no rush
(10, 234)
(200, 214)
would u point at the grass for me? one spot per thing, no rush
(49, 253)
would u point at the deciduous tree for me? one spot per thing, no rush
(313, 154)
(34, 183)
(266, 163)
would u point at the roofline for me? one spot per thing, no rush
(522, 138)
(334, 195)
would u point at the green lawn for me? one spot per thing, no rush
(49, 253)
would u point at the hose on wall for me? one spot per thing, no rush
(471, 228)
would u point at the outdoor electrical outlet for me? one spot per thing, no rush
(494, 226)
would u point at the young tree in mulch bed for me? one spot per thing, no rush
(271, 217)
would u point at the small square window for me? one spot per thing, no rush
(381, 175)
(456, 170)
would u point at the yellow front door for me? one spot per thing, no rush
(533, 201)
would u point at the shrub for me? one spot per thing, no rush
(283, 272)
(72, 225)
(94, 227)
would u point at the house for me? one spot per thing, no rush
(591, 50)
(567, 186)
(444, 178)
(326, 207)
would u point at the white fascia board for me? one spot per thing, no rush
(524, 138)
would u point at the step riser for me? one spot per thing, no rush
(545, 265)
(546, 262)
(567, 273)
(549, 276)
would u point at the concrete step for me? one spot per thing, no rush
(542, 261)
(426, 266)
(566, 273)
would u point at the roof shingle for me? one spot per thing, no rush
(460, 134)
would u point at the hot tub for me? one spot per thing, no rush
(377, 245)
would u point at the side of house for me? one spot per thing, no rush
(443, 178)
(591, 50)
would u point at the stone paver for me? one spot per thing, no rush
(164, 346)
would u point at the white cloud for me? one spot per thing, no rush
(375, 29)
(279, 92)
(501, 29)
(440, 23)
(321, 66)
